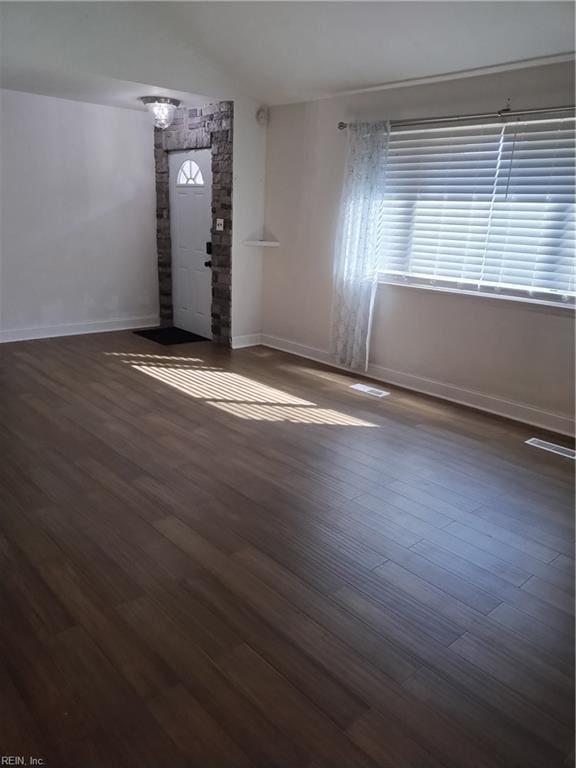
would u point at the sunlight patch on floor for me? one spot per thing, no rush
(235, 394)
(220, 385)
(294, 414)
(139, 355)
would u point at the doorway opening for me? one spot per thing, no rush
(190, 191)
(194, 207)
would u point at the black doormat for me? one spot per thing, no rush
(169, 336)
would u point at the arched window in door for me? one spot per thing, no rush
(189, 175)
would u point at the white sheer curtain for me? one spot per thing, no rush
(358, 243)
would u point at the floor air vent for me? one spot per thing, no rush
(570, 453)
(369, 390)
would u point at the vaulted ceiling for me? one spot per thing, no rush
(274, 52)
(295, 51)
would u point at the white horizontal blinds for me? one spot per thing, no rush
(531, 238)
(488, 208)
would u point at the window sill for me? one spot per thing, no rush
(527, 302)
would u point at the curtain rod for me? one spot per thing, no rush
(458, 118)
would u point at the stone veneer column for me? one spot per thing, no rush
(204, 127)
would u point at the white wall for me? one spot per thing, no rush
(77, 201)
(510, 358)
(136, 42)
(249, 161)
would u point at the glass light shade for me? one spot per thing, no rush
(162, 108)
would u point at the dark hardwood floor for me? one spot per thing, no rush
(221, 560)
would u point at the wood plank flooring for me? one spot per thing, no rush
(231, 559)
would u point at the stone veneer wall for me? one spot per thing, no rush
(204, 127)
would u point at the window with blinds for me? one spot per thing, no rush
(482, 208)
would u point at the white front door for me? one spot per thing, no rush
(190, 223)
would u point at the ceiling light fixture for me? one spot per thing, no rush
(162, 108)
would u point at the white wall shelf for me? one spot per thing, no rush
(262, 243)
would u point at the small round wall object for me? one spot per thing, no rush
(262, 116)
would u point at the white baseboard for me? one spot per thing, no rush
(76, 329)
(511, 409)
(311, 353)
(527, 414)
(248, 340)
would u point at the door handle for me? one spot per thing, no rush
(207, 263)
(209, 249)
